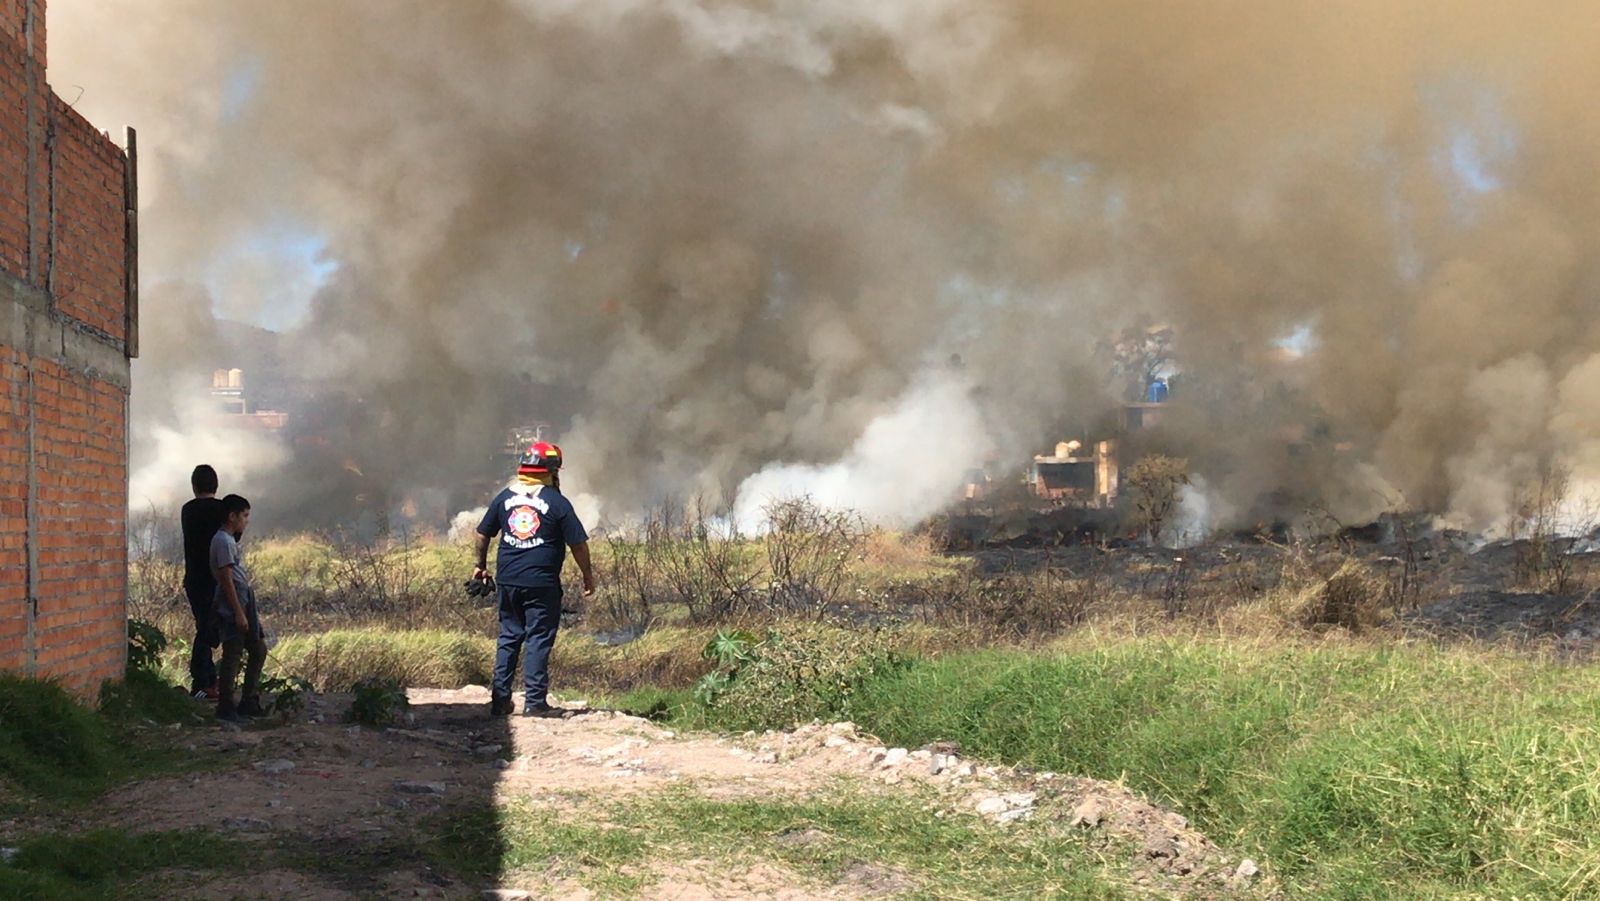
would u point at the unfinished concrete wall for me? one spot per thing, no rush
(68, 326)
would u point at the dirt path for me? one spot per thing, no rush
(347, 812)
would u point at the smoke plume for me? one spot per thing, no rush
(726, 242)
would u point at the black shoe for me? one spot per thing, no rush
(251, 707)
(500, 707)
(544, 711)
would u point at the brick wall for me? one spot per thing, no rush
(65, 296)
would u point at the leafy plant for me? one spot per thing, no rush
(377, 703)
(146, 643)
(729, 650)
(800, 674)
(289, 694)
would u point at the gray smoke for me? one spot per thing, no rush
(727, 238)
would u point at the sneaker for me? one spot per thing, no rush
(203, 694)
(500, 707)
(544, 711)
(251, 707)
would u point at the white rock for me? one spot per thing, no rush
(991, 806)
(275, 767)
(922, 754)
(1012, 816)
(1088, 813)
(1247, 869)
(844, 728)
(769, 757)
(835, 741)
(893, 757)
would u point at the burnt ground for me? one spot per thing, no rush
(1449, 584)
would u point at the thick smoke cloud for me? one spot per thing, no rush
(730, 238)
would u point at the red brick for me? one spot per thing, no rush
(75, 246)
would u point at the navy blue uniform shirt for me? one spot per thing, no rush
(535, 529)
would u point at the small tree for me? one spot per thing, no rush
(1155, 484)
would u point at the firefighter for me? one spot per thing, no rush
(536, 527)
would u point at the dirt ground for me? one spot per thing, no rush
(358, 801)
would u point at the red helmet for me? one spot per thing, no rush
(540, 457)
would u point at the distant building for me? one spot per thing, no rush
(231, 400)
(1069, 475)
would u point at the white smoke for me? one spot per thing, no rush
(907, 464)
(1201, 511)
(239, 453)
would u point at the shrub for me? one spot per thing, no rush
(800, 674)
(377, 703)
(289, 694)
(808, 554)
(1156, 485)
(146, 644)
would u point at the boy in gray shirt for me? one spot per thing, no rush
(240, 626)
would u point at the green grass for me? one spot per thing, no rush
(618, 849)
(148, 696)
(56, 750)
(102, 863)
(1357, 772)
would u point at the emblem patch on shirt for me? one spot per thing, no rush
(522, 523)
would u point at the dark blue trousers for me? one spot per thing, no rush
(529, 618)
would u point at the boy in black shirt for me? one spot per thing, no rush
(201, 518)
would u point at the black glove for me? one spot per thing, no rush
(480, 588)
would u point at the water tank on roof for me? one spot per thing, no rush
(1156, 393)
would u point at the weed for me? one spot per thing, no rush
(288, 693)
(377, 703)
(146, 644)
(798, 674)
